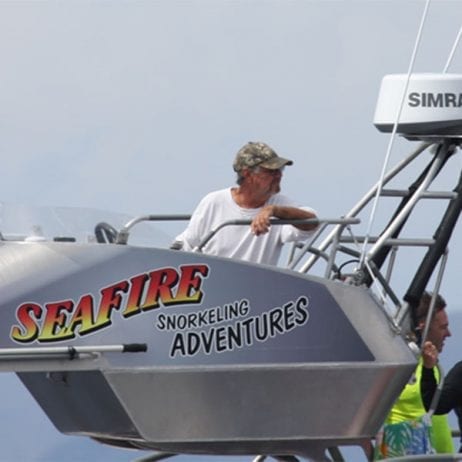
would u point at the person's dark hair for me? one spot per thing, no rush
(421, 311)
(424, 305)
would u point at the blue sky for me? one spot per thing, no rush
(138, 107)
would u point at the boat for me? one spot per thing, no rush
(179, 352)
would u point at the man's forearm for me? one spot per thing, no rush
(294, 213)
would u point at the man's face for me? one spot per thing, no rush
(269, 180)
(439, 330)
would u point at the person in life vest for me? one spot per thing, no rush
(409, 407)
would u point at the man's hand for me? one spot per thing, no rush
(261, 223)
(429, 355)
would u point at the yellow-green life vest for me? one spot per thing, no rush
(409, 406)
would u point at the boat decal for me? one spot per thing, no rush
(56, 321)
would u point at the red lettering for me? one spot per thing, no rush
(63, 320)
(110, 300)
(28, 329)
(53, 327)
(83, 317)
(190, 283)
(160, 287)
(134, 297)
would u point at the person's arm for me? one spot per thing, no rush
(451, 393)
(428, 380)
(428, 387)
(261, 223)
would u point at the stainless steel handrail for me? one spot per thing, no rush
(277, 222)
(123, 234)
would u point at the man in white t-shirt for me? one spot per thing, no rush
(256, 197)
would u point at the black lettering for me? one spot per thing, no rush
(194, 343)
(171, 325)
(289, 315)
(275, 322)
(220, 339)
(207, 339)
(221, 314)
(178, 346)
(202, 318)
(212, 316)
(247, 325)
(192, 320)
(261, 328)
(233, 310)
(181, 322)
(243, 307)
(300, 307)
(234, 336)
(161, 321)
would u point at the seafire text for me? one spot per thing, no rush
(65, 319)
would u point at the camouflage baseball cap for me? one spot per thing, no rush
(255, 154)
